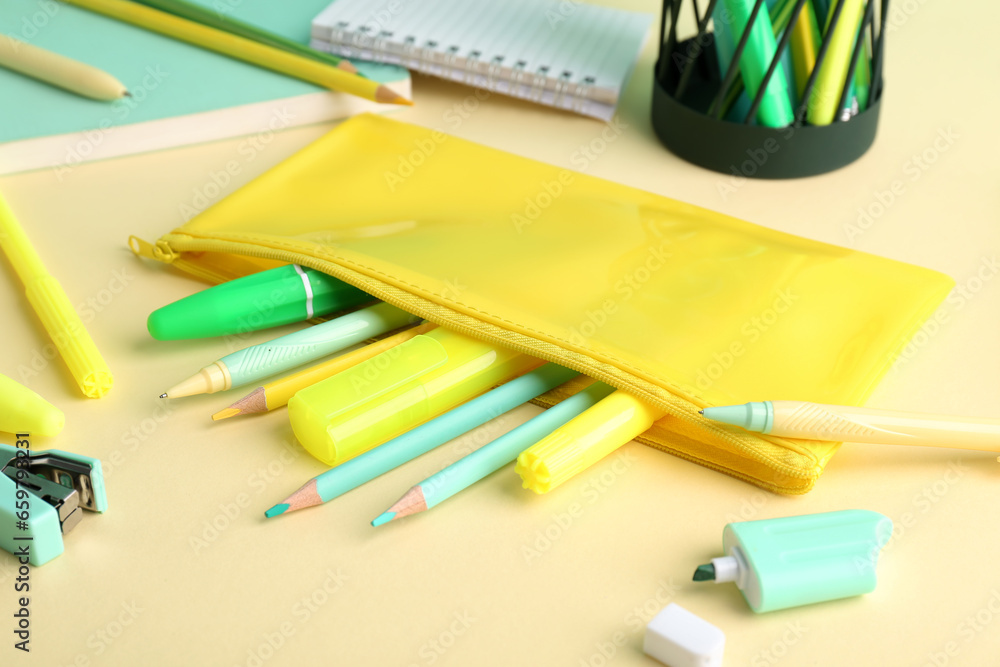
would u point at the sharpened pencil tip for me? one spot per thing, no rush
(280, 508)
(225, 414)
(701, 412)
(386, 95)
(384, 517)
(163, 395)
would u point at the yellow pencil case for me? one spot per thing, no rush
(678, 305)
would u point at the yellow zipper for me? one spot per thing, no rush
(170, 249)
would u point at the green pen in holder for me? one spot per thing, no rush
(728, 99)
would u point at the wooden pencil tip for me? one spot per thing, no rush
(307, 496)
(412, 502)
(163, 395)
(225, 414)
(347, 67)
(387, 95)
(252, 403)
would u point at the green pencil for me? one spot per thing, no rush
(493, 456)
(215, 19)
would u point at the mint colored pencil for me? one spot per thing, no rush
(216, 19)
(366, 467)
(493, 456)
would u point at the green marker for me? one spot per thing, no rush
(262, 300)
(493, 456)
(798, 560)
(775, 106)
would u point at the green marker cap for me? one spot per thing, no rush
(262, 300)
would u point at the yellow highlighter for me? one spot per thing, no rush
(362, 407)
(24, 411)
(804, 44)
(585, 440)
(833, 71)
(57, 314)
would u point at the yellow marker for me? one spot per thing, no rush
(57, 314)
(392, 393)
(804, 44)
(833, 72)
(582, 442)
(240, 48)
(59, 71)
(24, 411)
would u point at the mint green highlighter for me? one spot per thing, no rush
(799, 560)
(42, 497)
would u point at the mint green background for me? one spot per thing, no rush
(196, 81)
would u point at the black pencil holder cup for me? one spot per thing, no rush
(688, 85)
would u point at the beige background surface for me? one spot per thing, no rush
(184, 570)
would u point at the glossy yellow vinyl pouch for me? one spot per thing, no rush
(679, 305)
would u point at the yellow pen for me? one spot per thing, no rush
(57, 314)
(816, 421)
(58, 70)
(24, 411)
(585, 440)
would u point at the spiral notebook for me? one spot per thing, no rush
(569, 55)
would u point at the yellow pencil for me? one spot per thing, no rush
(54, 309)
(59, 71)
(276, 394)
(243, 49)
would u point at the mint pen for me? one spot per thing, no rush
(309, 344)
(799, 560)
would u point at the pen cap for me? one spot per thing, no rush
(799, 560)
(262, 300)
(584, 441)
(387, 395)
(24, 411)
(70, 336)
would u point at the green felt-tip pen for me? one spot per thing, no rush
(284, 295)
(776, 105)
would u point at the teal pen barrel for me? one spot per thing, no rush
(478, 411)
(262, 300)
(505, 449)
(260, 361)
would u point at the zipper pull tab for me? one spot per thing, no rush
(161, 252)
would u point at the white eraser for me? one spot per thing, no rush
(678, 638)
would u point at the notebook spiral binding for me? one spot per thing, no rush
(473, 69)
